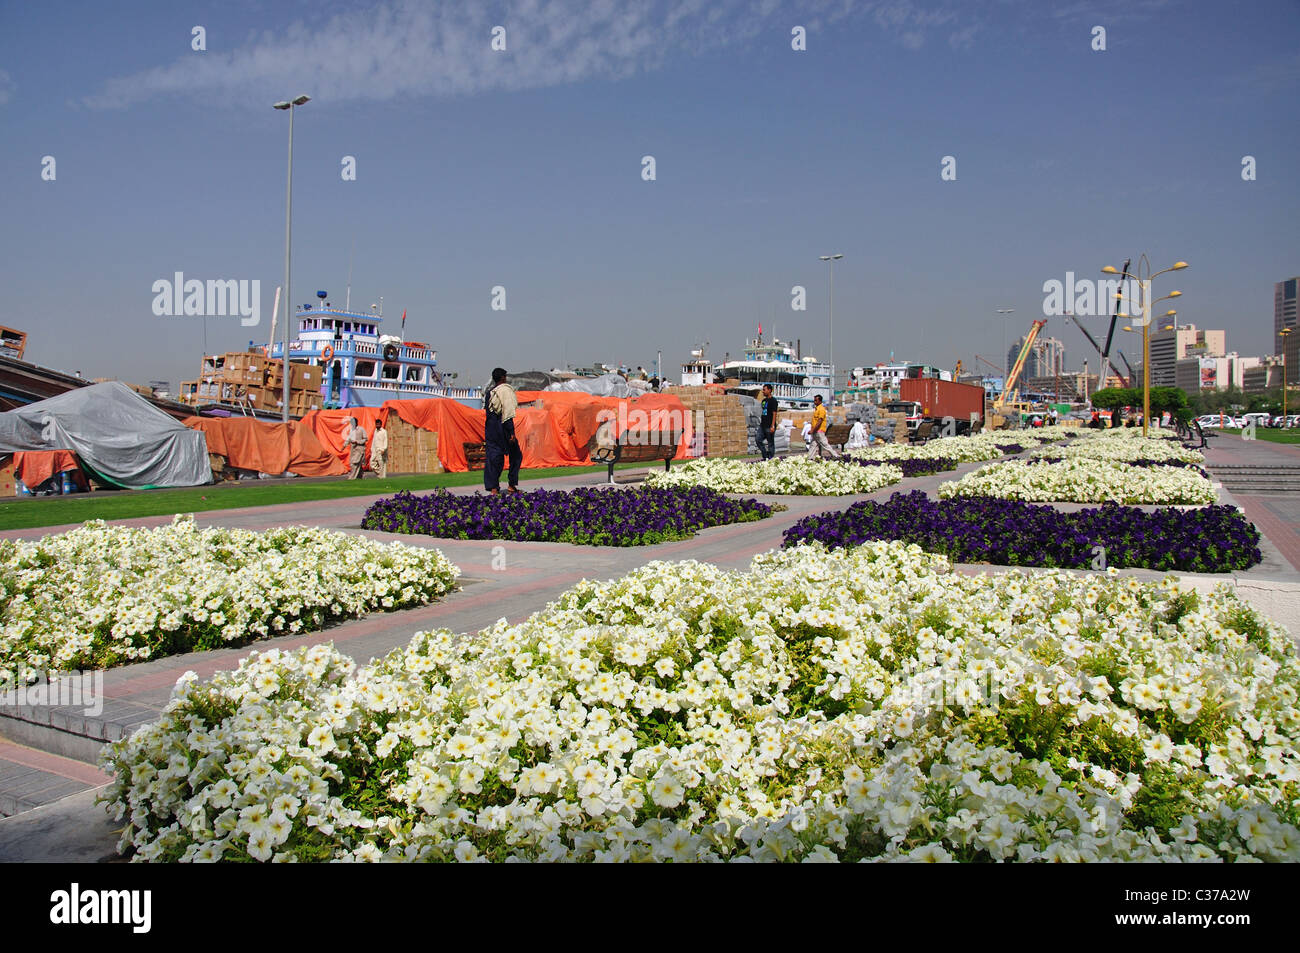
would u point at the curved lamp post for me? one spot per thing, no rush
(830, 264)
(288, 233)
(1283, 333)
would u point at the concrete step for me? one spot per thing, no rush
(30, 778)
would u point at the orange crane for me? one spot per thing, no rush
(1010, 393)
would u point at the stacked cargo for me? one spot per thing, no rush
(252, 381)
(895, 424)
(411, 449)
(720, 416)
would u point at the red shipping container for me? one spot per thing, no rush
(939, 399)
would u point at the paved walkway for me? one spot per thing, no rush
(48, 753)
(1276, 514)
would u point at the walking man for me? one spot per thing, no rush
(499, 434)
(379, 451)
(767, 424)
(819, 447)
(356, 443)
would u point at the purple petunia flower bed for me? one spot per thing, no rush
(587, 516)
(912, 466)
(1011, 533)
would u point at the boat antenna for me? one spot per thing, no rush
(348, 305)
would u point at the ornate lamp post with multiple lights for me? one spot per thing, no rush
(1144, 278)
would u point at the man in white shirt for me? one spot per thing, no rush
(499, 438)
(379, 451)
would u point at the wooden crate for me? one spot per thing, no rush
(411, 449)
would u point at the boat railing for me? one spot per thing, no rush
(403, 387)
(364, 347)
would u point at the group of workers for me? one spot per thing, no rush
(500, 442)
(499, 439)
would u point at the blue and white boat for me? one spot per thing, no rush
(795, 380)
(361, 366)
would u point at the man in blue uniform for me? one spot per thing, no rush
(499, 434)
(767, 424)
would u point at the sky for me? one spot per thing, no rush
(959, 155)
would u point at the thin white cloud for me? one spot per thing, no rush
(404, 48)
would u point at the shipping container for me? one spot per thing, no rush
(940, 399)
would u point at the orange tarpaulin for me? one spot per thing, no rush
(553, 435)
(267, 447)
(578, 417)
(34, 467)
(331, 428)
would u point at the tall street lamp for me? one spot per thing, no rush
(1144, 277)
(830, 264)
(288, 234)
(1005, 371)
(1283, 333)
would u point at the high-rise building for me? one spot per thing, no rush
(1168, 347)
(1284, 309)
(1284, 316)
(1045, 359)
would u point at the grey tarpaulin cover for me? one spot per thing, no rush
(115, 432)
(607, 385)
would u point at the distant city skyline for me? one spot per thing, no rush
(959, 156)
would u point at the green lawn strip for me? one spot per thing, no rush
(1269, 434)
(28, 513)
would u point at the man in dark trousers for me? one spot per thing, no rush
(767, 424)
(499, 434)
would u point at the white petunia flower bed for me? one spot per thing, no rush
(1084, 480)
(846, 705)
(103, 595)
(1109, 445)
(963, 449)
(780, 476)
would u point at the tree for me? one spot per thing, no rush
(1172, 399)
(1111, 397)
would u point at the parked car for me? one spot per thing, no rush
(1258, 419)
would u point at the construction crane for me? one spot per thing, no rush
(1101, 381)
(995, 367)
(956, 371)
(1010, 393)
(1110, 333)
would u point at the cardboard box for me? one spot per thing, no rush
(8, 482)
(304, 376)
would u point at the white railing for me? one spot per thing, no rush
(439, 389)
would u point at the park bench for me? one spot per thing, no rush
(1200, 436)
(923, 432)
(631, 446)
(837, 435)
(475, 455)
